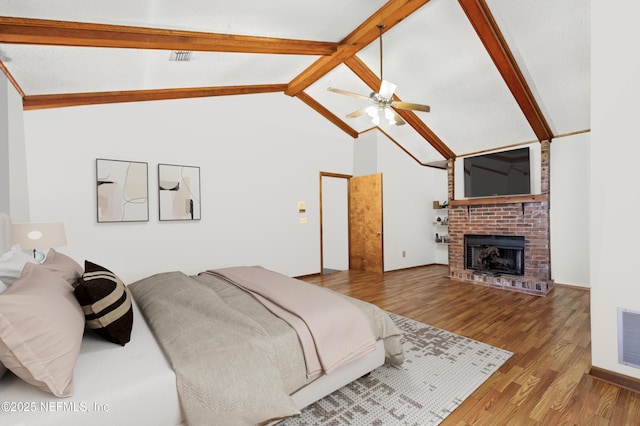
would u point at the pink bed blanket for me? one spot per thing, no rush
(332, 331)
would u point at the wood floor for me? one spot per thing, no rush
(545, 382)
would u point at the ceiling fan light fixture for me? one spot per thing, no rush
(387, 89)
(383, 100)
(388, 114)
(372, 112)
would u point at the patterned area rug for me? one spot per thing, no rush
(440, 371)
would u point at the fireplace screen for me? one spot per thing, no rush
(495, 254)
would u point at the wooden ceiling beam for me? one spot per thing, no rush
(356, 65)
(304, 97)
(393, 12)
(400, 146)
(13, 81)
(480, 17)
(77, 99)
(64, 33)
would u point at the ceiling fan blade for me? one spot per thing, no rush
(344, 92)
(408, 105)
(386, 89)
(357, 113)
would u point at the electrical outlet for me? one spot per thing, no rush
(404, 253)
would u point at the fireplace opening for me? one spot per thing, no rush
(495, 254)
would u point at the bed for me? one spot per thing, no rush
(201, 349)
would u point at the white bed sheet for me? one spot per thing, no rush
(113, 385)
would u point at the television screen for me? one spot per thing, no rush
(498, 173)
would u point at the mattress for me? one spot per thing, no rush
(130, 385)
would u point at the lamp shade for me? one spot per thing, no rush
(33, 236)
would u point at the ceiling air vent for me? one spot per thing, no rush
(180, 56)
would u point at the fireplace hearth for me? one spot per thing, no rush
(495, 254)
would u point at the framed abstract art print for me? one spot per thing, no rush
(179, 192)
(122, 191)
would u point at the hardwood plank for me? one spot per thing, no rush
(546, 382)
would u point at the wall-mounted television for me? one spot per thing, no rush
(498, 174)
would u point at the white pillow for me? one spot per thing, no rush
(12, 263)
(41, 328)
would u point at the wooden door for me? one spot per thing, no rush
(365, 223)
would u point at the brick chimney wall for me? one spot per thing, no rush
(522, 218)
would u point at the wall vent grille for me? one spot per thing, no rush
(180, 56)
(629, 337)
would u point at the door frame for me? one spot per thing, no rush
(339, 176)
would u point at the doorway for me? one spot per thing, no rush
(334, 222)
(351, 234)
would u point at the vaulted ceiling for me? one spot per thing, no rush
(496, 73)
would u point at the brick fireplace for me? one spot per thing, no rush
(500, 217)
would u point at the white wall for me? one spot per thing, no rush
(615, 192)
(408, 193)
(365, 154)
(254, 170)
(13, 168)
(257, 159)
(569, 210)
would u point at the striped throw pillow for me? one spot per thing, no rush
(106, 303)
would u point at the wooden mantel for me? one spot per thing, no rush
(537, 198)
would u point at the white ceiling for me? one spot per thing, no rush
(434, 56)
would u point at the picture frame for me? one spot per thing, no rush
(122, 191)
(178, 192)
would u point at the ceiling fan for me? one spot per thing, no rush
(382, 100)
